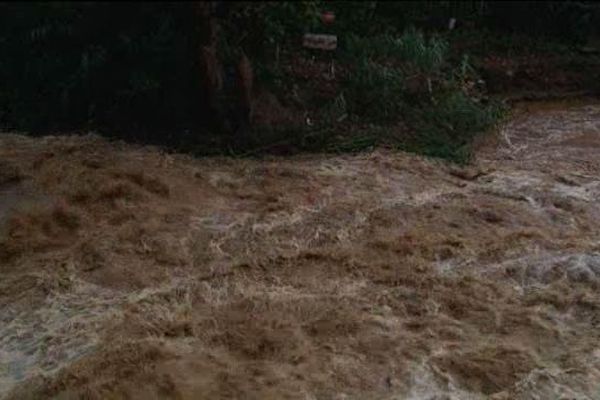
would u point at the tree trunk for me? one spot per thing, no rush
(210, 68)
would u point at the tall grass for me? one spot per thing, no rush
(410, 78)
(446, 127)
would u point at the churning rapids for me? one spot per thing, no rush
(127, 272)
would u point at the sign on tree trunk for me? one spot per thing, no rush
(322, 42)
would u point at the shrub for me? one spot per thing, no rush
(409, 78)
(375, 91)
(413, 50)
(446, 127)
(385, 70)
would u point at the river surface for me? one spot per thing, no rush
(375, 276)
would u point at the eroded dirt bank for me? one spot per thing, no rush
(130, 273)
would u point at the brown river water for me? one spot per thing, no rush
(127, 272)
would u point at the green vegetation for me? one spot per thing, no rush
(132, 71)
(409, 79)
(447, 128)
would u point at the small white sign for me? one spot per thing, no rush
(322, 42)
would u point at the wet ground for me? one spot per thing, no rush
(132, 273)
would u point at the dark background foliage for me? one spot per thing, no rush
(131, 68)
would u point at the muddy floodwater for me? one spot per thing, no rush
(127, 272)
